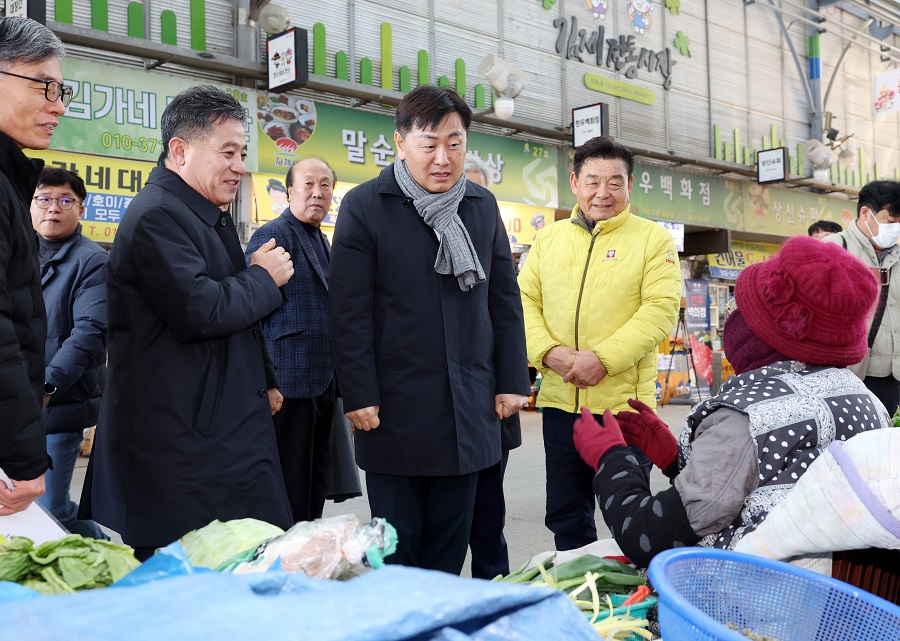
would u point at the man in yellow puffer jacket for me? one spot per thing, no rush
(600, 291)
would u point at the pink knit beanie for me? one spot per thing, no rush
(811, 301)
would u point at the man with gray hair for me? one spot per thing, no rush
(185, 434)
(490, 554)
(478, 172)
(34, 98)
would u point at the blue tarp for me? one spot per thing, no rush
(392, 603)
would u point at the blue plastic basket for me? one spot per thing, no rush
(702, 589)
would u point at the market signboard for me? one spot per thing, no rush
(728, 265)
(359, 144)
(697, 305)
(110, 183)
(665, 194)
(116, 112)
(786, 212)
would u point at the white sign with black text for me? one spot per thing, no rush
(286, 60)
(771, 165)
(588, 122)
(17, 8)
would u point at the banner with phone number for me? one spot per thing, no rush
(116, 111)
(110, 184)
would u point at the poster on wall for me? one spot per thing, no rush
(697, 310)
(887, 93)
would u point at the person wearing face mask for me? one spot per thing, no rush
(800, 319)
(873, 239)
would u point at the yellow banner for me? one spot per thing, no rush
(111, 184)
(742, 254)
(270, 199)
(523, 221)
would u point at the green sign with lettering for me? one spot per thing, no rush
(359, 144)
(785, 212)
(116, 113)
(614, 87)
(660, 193)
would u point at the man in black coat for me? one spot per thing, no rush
(73, 277)
(427, 331)
(33, 99)
(185, 433)
(490, 554)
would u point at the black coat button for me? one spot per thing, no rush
(261, 393)
(255, 333)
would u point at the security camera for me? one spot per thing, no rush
(506, 78)
(820, 158)
(504, 107)
(273, 18)
(818, 154)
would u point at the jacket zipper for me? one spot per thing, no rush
(578, 307)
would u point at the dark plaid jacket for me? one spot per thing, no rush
(297, 332)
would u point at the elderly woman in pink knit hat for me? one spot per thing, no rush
(800, 320)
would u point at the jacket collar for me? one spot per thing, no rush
(856, 234)
(23, 172)
(60, 256)
(603, 226)
(173, 183)
(387, 184)
(305, 241)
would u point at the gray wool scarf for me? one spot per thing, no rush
(456, 254)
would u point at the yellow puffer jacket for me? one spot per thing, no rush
(614, 291)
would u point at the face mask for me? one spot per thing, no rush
(888, 234)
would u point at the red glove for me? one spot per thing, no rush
(593, 440)
(646, 430)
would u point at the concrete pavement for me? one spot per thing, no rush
(526, 534)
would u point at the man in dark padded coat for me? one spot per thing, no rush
(33, 99)
(185, 433)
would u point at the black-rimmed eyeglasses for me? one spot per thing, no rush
(53, 90)
(44, 202)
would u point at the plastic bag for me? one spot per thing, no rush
(169, 561)
(333, 548)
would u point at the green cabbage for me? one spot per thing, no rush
(214, 544)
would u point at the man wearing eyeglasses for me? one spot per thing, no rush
(73, 277)
(33, 99)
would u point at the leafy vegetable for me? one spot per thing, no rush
(589, 580)
(14, 559)
(64, 565)
(212, 545)
(895, 419)
(620, 626)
